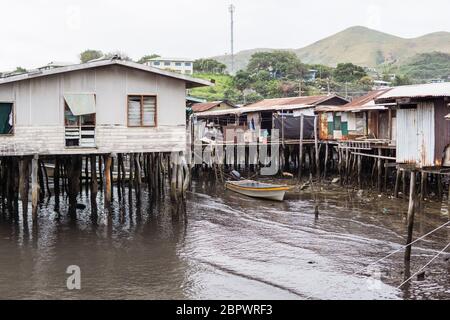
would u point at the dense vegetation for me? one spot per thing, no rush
(281, 74)
(426, 66)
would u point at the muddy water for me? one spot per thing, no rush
(225, 246)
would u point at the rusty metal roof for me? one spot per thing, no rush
(429, 90)
(300, 102)
(366, 102)
(205, 106)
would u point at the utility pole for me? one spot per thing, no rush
(232, 9)
(346, 90)
(300, 88)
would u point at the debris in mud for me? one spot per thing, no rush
(304, 186)
(421, 276)
(335, 180)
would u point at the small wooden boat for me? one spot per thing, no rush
(257, 189)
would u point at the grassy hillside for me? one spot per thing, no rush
(217, 92)
(425, 66)
(361, 46)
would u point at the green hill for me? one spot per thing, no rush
(359, 45)
(426, 66)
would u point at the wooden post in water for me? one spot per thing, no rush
(398, 175)
(404, 184)
(325, 161)
(423, 179)
(24, 186)
(56, 183)
(94, 182)
(316, 146)
(359, 171)
(130, 180)
(107, 175)
(300, 149)
(34, 186)
(410, 217)
(41, 180)
(379, 170)
(138, 178)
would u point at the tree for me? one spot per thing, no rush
(121, 55)
(242, 80)
(348, 72)
(323, 71)
(280, 64)
(209, 66)
(20, 70)
(89, 55)
(365, 83)
(148, 57)
(401, 80)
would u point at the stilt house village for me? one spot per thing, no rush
(115, 121)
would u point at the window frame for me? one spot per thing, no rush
(142, 96)
(79, 125)
(13, 109)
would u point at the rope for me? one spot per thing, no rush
(426, 265)
(400, 249)
(403, 247)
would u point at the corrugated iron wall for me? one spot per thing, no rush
(426, 138)
(407, 145)
(442, 128)
(416, 135)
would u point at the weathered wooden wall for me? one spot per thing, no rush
(39, 111)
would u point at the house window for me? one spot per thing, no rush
(6, 118)
(141, 111)
(178, 64)
(188, 64)
(79, 120)
(156, 63)
(167, 63)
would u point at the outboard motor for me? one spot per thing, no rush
(235, 175)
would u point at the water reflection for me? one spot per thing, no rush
(219, 244)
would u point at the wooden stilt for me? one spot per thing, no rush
(410, 217)
(56, 183)
(379, 171)
(359, 171)
(24, 186)
(398, 176)
(316, 146)
(41, 181)
(423, 178)
(300, 149)
(107, 175)
(130, 180)
(404, 184)
(94, 183)
(34, 186)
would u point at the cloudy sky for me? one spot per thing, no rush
(35, 32)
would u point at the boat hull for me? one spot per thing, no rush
(275, 193)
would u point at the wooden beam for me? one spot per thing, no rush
(34, 186)
(373, 156)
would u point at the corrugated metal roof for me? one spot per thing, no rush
(190, 81)
(274, 104)
(417, 91)
(366, 102)
(243, 110)
(205, 106)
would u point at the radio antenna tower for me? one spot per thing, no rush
(232, 9)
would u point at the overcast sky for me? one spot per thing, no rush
(35, 32)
